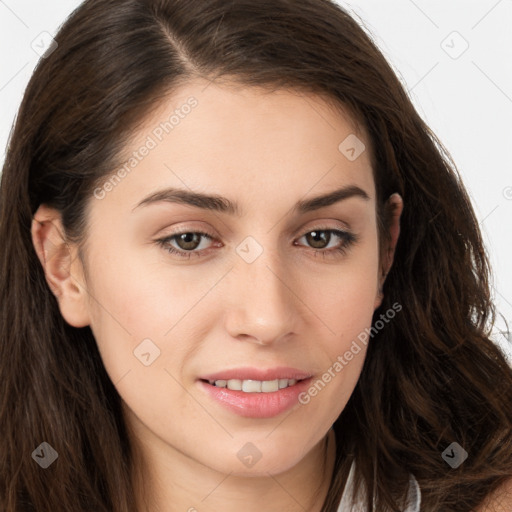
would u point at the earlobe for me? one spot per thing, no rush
(62, 268)
(380, 295)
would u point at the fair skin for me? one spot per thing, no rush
(498, 501)
(217, 311)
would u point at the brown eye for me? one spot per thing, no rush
(318, 239)
(188, 241)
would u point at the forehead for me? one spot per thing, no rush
(245, 142)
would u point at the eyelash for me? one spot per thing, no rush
(348, 239)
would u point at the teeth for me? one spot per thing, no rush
(254, 386)
(251, 386)
(234, 384)
(267, 386)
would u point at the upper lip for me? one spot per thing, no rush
(280, 372)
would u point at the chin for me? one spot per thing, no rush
(258, 459)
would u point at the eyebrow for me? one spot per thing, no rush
(224, 205)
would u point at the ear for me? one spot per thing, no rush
(393, 210)
(61, 265)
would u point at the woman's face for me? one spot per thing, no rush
(254, 303)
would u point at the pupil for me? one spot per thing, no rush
(188, 238)
(319, 237)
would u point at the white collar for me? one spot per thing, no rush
(346, 504)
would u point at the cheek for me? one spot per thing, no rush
(141, 322)
(346, 298)
(346, 304)
(138, 293)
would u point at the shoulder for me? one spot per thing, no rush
(499, 500)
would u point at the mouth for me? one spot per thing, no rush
(256, 393)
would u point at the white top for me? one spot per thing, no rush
(412, 504)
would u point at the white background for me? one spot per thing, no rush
(466, 97)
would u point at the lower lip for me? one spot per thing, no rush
(257, 405)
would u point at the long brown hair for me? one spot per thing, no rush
(432, 377)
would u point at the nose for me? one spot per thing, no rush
(262, 304)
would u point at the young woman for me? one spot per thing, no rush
(238, 271)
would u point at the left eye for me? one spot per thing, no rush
(319, 237)
(189, 241)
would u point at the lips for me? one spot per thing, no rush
(256, 393)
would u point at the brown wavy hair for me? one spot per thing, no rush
(431, 377)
